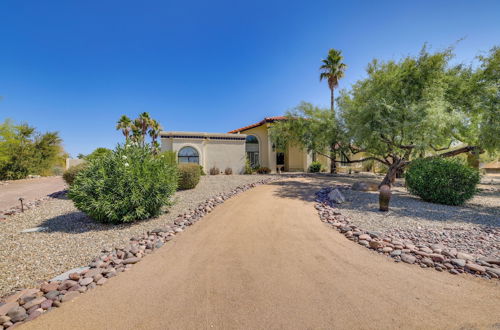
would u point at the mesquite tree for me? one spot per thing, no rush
(417, 107)
(421, 106)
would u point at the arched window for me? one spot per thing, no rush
(188, 155)
(252, 150)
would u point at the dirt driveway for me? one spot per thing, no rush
(263, 260)
(29, 189)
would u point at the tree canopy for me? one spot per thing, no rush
(418, 106)
(25, 151)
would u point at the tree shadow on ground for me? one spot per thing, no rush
(77, 223)
(403, 205)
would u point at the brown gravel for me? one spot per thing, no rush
(71, 239)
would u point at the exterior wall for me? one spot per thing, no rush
(295, 159)
(70, 162)
(264, 150)
(213, 149)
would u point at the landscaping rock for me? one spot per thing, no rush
(131, 260)
(336, 196)
(458, 262)
(34, 302)
(52, 295)
(17, 314)
(86, 281)
(408, 258)
(475, 268)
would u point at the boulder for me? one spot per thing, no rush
(336, 196)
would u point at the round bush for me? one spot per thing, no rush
(129, 184)
(189, 175)
(442, 181)
(70, 174)
(315, 167)
(263, 170)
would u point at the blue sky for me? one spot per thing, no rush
(76, 66)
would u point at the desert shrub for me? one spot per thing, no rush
(214, 171)
(442, 181)
(130, 183)
(263, 170)
(248, 167)
(97, 153)
(202, 171)
(189, 176)
(71, 173)
(228, 171)
(315, 167)
(169, 156)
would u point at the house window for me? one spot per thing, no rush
(252, 150)
(188, 155)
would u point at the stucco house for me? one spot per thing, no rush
(230, 150)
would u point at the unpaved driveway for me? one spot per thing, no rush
(29, 189)
(263, 260)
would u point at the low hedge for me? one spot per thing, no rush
(315, 167)
(70, 174)
(189, 176)
(442, 181)
(263, 170)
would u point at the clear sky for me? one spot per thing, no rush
(76, 66)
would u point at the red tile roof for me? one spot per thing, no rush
(262, 122)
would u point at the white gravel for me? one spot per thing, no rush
(71, 239)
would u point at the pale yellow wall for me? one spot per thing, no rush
(212, 152)
(295, 159)
(264, 151)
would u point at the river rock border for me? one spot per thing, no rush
(28, 304)
(437, 256)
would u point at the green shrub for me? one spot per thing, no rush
(315, 167)
(214, 171)
(228, 171)
(263, 170)
(189, 176)
(442, 181)
(129, 184)
(170, 157)
(202, 171)
(71, 173)
(248, 167)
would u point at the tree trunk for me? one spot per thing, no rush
(390, 177)
(332, 100)
(333, 163)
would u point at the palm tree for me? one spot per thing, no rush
(154, 132)
(124, 123)
(332, 70)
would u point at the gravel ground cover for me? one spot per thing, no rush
(67, 238)
(473, 227)
(454, 238)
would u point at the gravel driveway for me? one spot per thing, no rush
(71, 239)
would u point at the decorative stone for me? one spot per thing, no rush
(465, 256)
(376, 244)
(132, 260)
(458, 262)
(408, 258)
(65, 285)
(17, 314)
(52, 295)
(365, 237)
(47, 287)
(74, 276)
(46, 304)
(86, 281)
(336, 196)
(34, 302)
(475, 268)
(64, 276)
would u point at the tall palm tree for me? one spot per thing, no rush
(124, 123)
(332, 70)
